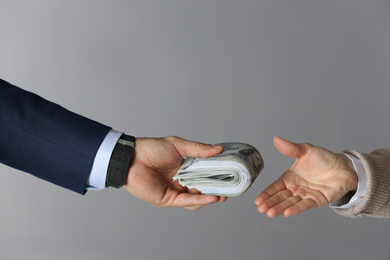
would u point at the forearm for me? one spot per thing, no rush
(46, 140)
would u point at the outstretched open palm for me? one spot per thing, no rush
(317, 177)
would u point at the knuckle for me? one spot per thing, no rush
(308, 146)
(160, 204)
(192, 208)
(172, 138)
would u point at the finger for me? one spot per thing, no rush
(261, 198)
(195, 191)
(300, 207)
(193, 208)
(281, 207)
(188, 200)
(222, 199)
(274, 200)
(195, 149)
(271, 190)
(290, 149)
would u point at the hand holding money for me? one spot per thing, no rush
(156, 161)
(229, 173)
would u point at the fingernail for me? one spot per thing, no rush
(217, 146)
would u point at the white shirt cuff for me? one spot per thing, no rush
(343, 203)
(97, 178)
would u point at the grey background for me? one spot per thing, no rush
(212, 71)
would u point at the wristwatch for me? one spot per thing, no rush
(120, 161)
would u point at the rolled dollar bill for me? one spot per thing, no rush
(229, 173)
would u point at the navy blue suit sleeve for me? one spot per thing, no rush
(46, 140)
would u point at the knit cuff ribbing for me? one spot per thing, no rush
(377, 168)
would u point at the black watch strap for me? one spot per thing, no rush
(120, 161)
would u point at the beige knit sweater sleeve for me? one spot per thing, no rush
(376, 202)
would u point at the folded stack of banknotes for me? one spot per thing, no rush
(229, 173)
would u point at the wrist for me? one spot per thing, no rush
(350, 169)
(120, 161)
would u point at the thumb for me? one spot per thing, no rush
(290, 149)
(195, 149)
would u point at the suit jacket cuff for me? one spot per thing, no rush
(97, 178)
